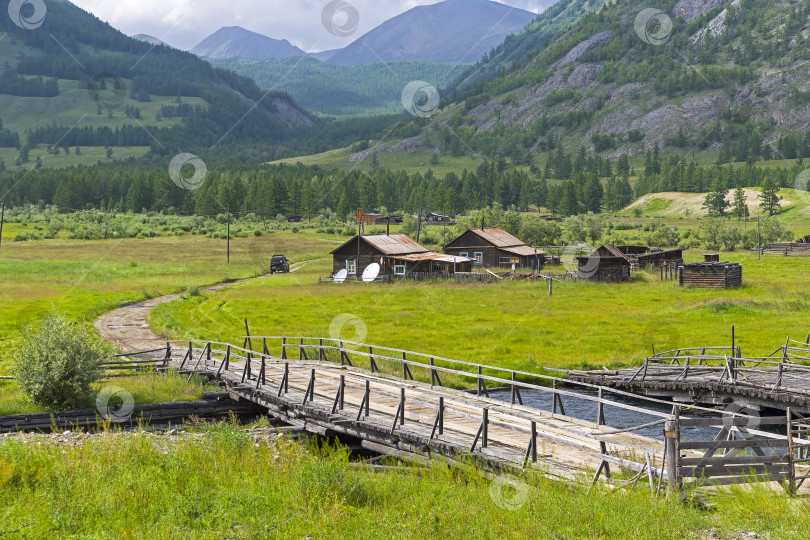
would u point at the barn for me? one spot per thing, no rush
(398, 255)
(494, 247)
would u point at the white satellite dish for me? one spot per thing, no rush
(371, 272)
(340, 277)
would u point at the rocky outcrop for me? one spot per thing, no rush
(291, 114)
(689, 10)
(594, 42)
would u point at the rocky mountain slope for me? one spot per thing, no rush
(701, 75)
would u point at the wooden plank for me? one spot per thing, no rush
(733, 470)
(737, 421)
(748, 443)
(736, 460)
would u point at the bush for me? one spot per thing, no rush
(57, 364)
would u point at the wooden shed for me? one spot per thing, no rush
(711, 275)
(398, 255)
(604, 269)
(494, 247)
(642, 256)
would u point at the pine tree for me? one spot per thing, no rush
(740, 206)
(715, 201)
(770, 196)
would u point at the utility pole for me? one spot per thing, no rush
(2, 217)
(229, 234)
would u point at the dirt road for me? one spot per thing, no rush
(127, 326)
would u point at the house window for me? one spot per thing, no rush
(399, 269)
(463, 254)
(479, 258)
(506, 260)
(351, 267)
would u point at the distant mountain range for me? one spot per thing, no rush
(237, 42)
(454, 31)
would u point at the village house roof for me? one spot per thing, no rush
(395, 244)
(504, 241)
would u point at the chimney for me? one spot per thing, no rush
(388, 226)
(482, 222)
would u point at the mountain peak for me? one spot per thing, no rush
(238, 42)
(453, 31)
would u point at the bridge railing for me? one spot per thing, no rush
(315, 356)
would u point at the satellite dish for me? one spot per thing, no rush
(371, 272)
(340, 277)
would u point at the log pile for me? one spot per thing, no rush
(711, 275)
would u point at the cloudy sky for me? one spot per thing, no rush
(184, 23)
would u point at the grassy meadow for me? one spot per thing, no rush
(515, 324)
(223, 483)
(84, 279)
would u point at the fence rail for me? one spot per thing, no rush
(359, 384)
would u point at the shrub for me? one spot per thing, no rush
(57, 364)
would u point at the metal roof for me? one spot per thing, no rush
(498, 237)
(395, 244)
(616, 252)
(432, 256)
(523, 251)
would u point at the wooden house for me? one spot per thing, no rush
(432, 218)
(604, 269)
(711, 275)
(494, 247)
(398, 255)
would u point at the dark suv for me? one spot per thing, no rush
(279, 263)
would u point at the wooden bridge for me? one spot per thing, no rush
(413, 406)
(719, 376)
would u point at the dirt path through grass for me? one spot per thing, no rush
(128, 328)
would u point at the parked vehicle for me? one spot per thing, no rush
(279, 263)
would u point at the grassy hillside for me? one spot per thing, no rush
(338, 90)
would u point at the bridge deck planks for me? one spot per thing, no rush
(565, 445)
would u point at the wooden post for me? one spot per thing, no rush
(368, 398)
(534, 442)
(2, 218)
(600, 410)
(374, 367)
(759, 241)
(402, 403)
(733, 348)
(283, 348)
(286, 377)
(672, 432)
(550, 287)
(229, 234)
(791, 457)
(320, 352)
(248, 342)
(485, 430)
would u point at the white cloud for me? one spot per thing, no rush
(184, 23)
